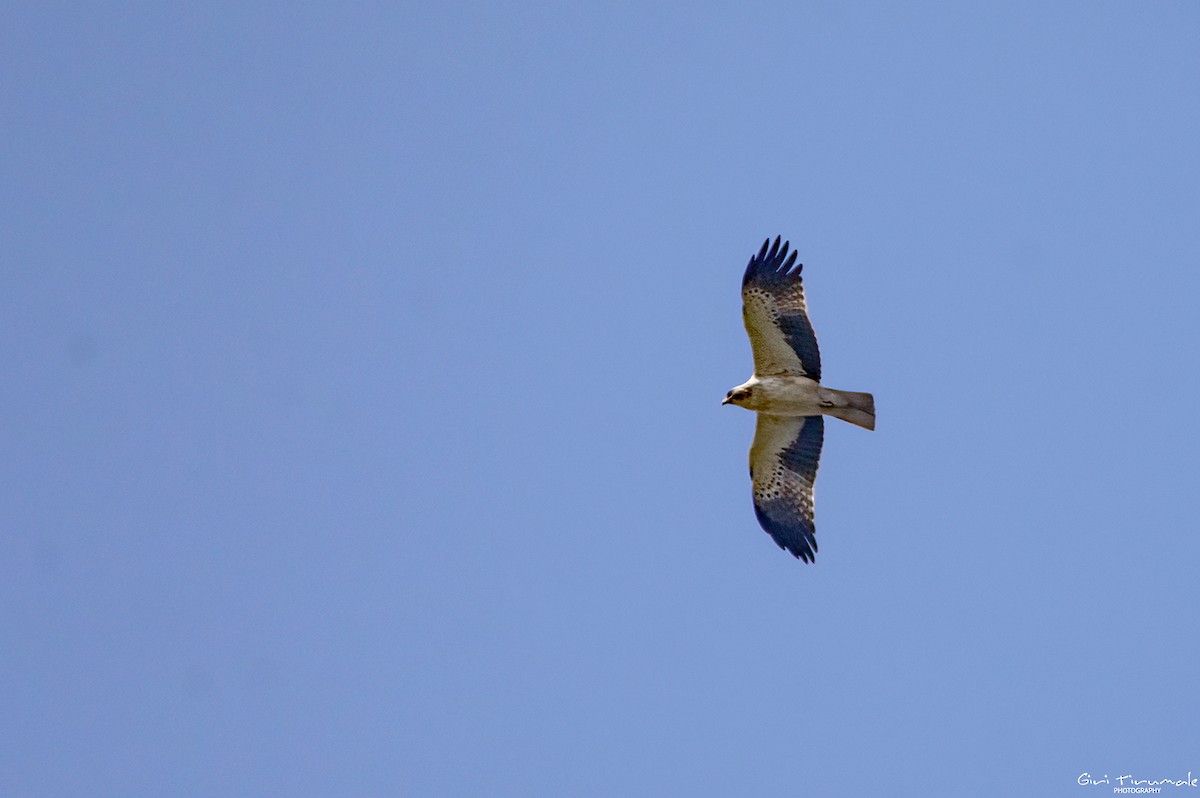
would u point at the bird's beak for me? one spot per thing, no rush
(725, 401)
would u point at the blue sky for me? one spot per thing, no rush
(363, 370)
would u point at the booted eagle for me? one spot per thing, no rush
(787, 394)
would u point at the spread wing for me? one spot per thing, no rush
(783, 468)
(776, 317)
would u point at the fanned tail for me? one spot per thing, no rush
(857, 408)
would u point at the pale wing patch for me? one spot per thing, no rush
(783, 469)
(762, 311)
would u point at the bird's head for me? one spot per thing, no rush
(738, 396)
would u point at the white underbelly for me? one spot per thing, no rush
(790, 396)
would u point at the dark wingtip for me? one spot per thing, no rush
(800, 543)
(803, 555)
(809, 553)
(775, 261)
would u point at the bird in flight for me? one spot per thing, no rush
(787, 394)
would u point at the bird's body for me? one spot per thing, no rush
(789, 399)
(781, 395)
(789, 396)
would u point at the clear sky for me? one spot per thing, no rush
(362, 370)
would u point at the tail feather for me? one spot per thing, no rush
(857, 408)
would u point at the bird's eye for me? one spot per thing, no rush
(729, 395)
